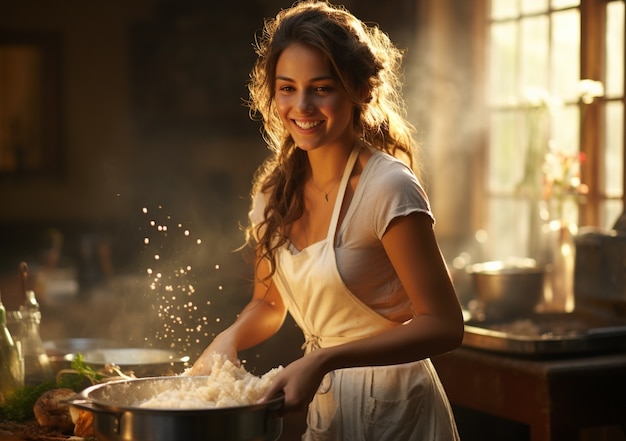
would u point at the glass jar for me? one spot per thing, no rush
(11, 363)
(37, 367)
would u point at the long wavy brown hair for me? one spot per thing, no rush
(364, 62)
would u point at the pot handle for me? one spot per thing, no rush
(88, 405)
(83, 404)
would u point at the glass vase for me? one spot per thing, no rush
(560, 257)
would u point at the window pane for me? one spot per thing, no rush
(613, 158)
(533, 6)
(504, 9)
(505, 167)
(565, 129)
(534, 56)
(615, 49)
(558, 4)
(566, 54)
(508, 229)
(503, 62)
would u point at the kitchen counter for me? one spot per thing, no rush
(31, 432)
(556, 398)
(50, 438)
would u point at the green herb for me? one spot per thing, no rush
(19, 405)
(85, 370)
(79, 376)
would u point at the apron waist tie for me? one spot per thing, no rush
(311, 343)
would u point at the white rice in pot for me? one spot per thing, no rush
(228, 385)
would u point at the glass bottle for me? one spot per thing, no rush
(11, 366)
(560, 255)
(37, 367)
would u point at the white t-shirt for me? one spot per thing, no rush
(386, 190)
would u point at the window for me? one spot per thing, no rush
(541, 115)
(30, 105)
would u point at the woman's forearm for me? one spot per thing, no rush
(257, 322)
(423, 337)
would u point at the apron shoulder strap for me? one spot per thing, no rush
(342, 191)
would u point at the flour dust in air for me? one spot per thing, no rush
(175, 266)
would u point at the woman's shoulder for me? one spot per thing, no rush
(387, 178)
(388, 189)
(384, 169)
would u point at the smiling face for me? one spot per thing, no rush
(312, 105)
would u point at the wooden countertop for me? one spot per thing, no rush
(555, 397)
(10, 437)
(17, 432)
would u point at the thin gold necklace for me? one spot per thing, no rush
(327, 193)
(324, 193)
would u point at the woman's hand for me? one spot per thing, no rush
(260, 319)
(298, 382)
(204, 363)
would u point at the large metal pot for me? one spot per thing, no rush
(142, 362)
(62, 352)
(97, 353)
(118, 417)
(507, 290)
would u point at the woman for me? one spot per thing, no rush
(343, 235)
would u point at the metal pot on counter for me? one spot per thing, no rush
(507, 290)
(119, 417)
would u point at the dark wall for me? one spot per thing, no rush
(150, 115)
(151, 95)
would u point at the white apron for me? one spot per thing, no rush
(388, 403)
